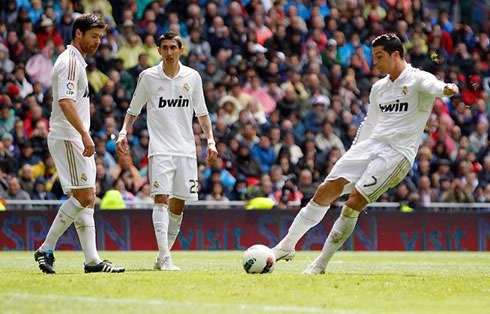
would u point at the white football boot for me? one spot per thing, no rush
(315, 268)
(165, 264)
(281, 254)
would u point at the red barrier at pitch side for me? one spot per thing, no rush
(239, 229)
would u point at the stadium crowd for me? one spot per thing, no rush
(286, 83)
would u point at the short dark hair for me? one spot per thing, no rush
(86, 22)
(169, 36)
(390, 43)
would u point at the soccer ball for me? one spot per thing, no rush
(258, 259)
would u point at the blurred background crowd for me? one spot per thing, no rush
(286, 83)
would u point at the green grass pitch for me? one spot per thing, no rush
(214, 282)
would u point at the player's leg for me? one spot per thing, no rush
(63, 156)
(341, 230)
(185, 187)
(385, 171)
(348, 169)
(161, 174)
(175, 215)
(309, 216)
(85, 226)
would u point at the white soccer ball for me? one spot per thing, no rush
(258, 259)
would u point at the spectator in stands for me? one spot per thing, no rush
(39, 65)
(245, 164)
(15, 192)
(327, 139)
(217, 195)
(306, 186)
(48, 32)
(7, 115)
(26, 179)
(264, 153)
(479, 137)
(457, 193)
(144, 195)
(25, 88)
(39, 192)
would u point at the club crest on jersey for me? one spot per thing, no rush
(161, 89)
(70, 89)
(155, 184)
(187, 87)
(404, 90)
(84, 177)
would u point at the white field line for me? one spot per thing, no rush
(159, 302)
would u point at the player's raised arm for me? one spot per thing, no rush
(140, 98)
(431, 85)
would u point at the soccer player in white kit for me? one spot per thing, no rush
(382, 153)
(172, 93)
(72, 148)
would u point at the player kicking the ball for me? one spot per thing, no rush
(382, 153)
(72, 147)
(172, 93)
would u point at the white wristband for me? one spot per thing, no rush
(211, 141)
(123, 133)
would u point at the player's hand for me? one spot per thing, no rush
(122, 146)
(88, 145)
(212, 154)
(451, 89)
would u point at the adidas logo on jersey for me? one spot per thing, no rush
(179, 102)
(396, 107)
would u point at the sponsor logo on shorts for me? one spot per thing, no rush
(70, 89)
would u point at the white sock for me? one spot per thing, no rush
(160, 224)
(65, 217)
(308, 217)
(341, 230)
(85, 225)
(174, 222)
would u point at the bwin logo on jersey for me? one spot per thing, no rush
(396, 107)
(179, 102)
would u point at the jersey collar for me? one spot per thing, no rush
(78, 54)
(164, 76)
(403, 74)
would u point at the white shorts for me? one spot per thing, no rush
(371, 167)
(174, 176)
(75, 170)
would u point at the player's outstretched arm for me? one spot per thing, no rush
(69, 109)
(206, 127)
(122, 146)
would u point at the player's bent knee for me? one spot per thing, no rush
(328, 191)
(356, 201)
(85, 197)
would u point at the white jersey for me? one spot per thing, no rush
(69, 81)
(399, 110)
(170, 105)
